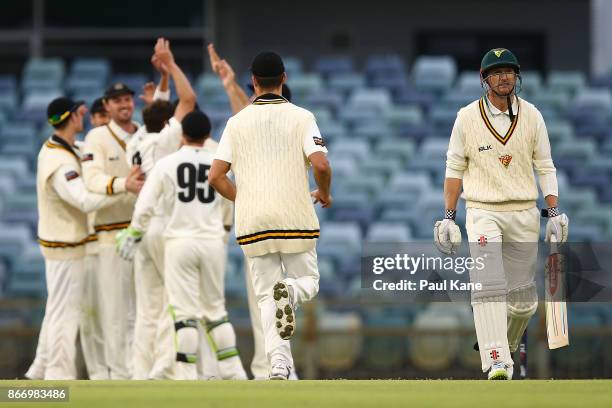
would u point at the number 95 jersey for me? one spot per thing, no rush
(179, 185)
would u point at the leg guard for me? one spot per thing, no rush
(491, 331)
(186, 341)
(522, 304)
(222, 339)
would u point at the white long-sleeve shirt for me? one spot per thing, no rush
(458, 157)
(147, 149)
(178, 184)
(70, 187)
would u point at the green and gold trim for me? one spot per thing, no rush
(109, 186)
(51, 145)
(112, 227)
(269, 99)
(57, 118)
(117, 138)
(277, 234)
(502, 139)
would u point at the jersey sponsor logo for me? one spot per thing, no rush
(505, 160)
(114, 158)
(71, 175)
(318, 141)
(484, 148)
(87, 157)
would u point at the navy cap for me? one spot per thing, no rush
(60, 109)
(117, 89)
(267, 64)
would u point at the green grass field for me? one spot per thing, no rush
(317, 394)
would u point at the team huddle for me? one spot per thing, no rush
(134, 225)
(134, 222)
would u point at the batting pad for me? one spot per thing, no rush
(522, 304)
(491, 331)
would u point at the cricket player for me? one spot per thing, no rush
(90, 330)
(495, 145)
(260, 367)
(104, 171)
(270, 146)
(63, 204)
(153, 351)
(194, 248)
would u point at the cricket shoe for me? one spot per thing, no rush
(499, 372)
(280, 371)
(285, 310)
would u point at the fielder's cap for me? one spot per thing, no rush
(196, 125)
(497, 58)
(97, 106)
(60, 109)
(116, 90)
(267, 64)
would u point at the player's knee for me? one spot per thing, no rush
(186, 340)
(523, 301)
(222, 335)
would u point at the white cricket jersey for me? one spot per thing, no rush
(179, 185)
(146, 149)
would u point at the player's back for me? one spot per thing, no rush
(193, 205)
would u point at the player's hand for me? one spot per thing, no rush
(158, 65)
(148, 91)
(559, 227)
(135, 180)
(447, 236)
(126, 242)
(226, 73)
(325, 200)
(163, 52)
(214, 58)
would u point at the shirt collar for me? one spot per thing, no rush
(118, 130)
(189, 147)
(496, 112)
(65, 145)
(269, 98)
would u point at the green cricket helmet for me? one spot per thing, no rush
(498, 57)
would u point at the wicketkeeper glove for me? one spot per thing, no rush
(447, 236)
(557, 225)
(127, 241)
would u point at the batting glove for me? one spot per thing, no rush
(127, 241)
(557, 225)
(447, 236)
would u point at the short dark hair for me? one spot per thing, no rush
(156, 115)
(62, 124)
(196, 126)
(269, 82)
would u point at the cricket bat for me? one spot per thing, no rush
(556, 308)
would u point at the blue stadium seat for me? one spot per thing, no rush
(343, 165)
(340, 240)
(293, 66)
(209, 84)
(373, 130)
(571, 81)
(531, 82)
(328, 65)
(558, 99)
(43, 74)
(380, 165)
(469, 81)
(13, 240)
(91, 68)
(443, 118)
(17, 132)
(388, 232)
(385, 65)
(365, 182)
(337, 351)
(358, 149)
(374, 99)
(403, 201)
(404, 115)
(346, 82)
(321, 98)
(304, 85)
(412, 183)
(583, 149)
(434, 73)
(410, 96)
(592, 98)
(17, 167)
(400, 148)
(8, 100)
(332, 131)
(559, 131)
(455, 99)
(8, 82)
(391, 83)
(35, 103)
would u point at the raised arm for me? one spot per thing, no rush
(237, 97)
(186, 94)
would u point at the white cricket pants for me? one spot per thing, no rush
(298, 270)
(117, 310)
(153, 350)
(91, 334)
(260, 367)
(56, 350)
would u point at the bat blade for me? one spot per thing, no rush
(556, 307)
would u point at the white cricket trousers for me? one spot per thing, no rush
(91, 335)
(117, 310)
(153, 351)
(299, 271)
(56, 351)
(260, 367)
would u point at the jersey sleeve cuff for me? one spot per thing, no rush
(452, 173)
(115, 185)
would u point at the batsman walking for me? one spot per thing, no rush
(495, 145)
